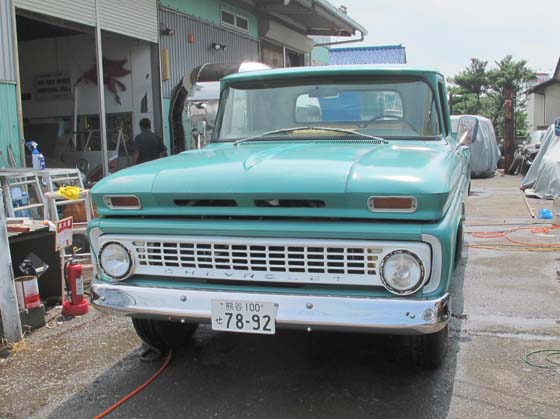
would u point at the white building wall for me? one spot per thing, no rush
(552, 104)
(535, 111)
(74, 56)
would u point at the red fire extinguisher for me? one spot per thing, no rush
(76, 304)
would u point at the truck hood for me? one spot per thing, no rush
(223, 179)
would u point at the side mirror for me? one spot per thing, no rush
(467, 130)
(557, 127)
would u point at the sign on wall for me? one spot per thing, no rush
(53, 86)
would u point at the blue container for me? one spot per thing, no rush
(545, 214)
(19, 199)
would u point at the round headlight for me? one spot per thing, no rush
(115, 260)
(402, 272)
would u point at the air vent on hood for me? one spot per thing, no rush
(205, 203)
(290, 203)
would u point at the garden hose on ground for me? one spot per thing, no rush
(137, 389)
(546, 363)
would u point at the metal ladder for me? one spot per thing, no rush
(27, 181)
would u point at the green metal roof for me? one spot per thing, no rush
(346, 70)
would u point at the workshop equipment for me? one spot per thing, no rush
(27, 291)
(76, 305)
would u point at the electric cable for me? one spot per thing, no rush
(516, 245)
(137, 389)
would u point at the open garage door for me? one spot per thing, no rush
(134, 18)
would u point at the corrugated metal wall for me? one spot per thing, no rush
(7, 59)
(9, 134)
(184, 56)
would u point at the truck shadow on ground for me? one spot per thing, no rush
(289, 375)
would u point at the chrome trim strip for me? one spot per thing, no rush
(435, 278)
(93, 236)
(308, 312)
(373, 209)
(107, 201)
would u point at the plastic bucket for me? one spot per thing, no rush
(27, 291)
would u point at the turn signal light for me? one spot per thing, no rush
(392, 204)
(122, 202)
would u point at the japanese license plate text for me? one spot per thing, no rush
(244, 316)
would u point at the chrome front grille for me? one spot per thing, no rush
(276, 260)
(314, 259)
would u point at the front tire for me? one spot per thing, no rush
(164, 335)
(429, 351)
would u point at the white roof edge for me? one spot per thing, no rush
(340, 15)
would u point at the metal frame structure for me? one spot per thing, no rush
(53, 179)
(27, 180)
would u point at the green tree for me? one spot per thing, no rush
(513, 75)
(472, 81)
(480, 91)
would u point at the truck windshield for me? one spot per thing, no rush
(389, 109)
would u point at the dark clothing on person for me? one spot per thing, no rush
(149, 146)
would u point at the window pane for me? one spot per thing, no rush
(242, 23)
(399, 108)
(228, 18)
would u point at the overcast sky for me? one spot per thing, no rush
(445, 34)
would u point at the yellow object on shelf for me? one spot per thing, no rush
(70, 192)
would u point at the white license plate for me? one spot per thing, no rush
(244, 316)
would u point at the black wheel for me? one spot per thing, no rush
(459, 245)
(428, 351)
(164, 335)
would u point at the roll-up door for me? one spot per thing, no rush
(80, 11)
(134, 18)
(7, 57)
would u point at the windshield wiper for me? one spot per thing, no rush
(310, 128)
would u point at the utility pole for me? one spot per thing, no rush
(101, 87)
(509, 136)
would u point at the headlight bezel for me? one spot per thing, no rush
(112, 277)
(419, 284)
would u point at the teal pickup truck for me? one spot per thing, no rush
(329, 198)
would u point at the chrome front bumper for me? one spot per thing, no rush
(307, 312)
